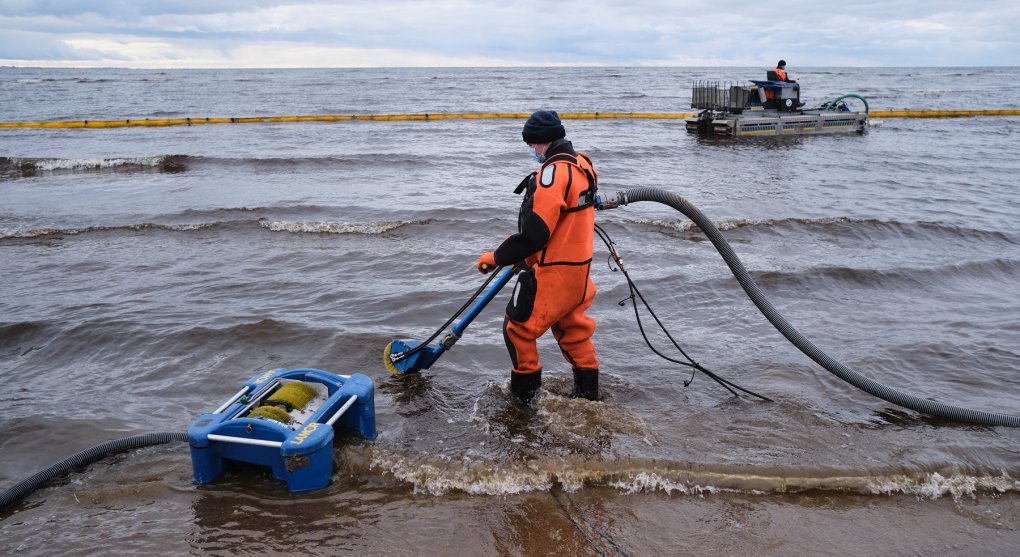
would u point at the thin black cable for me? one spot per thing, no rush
(635, 292)
(641, 328)
(724, 382)
(690, 363)
(439, 331)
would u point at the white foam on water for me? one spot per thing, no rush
(336, 227)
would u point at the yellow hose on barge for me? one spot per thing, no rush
(162, 122)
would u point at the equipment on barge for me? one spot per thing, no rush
(770, 108)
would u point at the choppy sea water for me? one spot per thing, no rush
(150, 271)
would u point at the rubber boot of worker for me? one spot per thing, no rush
(524, 385)
(586, 384)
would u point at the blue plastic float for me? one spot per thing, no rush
(297, 440)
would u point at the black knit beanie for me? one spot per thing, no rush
(543, 126)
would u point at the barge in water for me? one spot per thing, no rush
(770, 108)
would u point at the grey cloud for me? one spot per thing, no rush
(22, 45)
(125, 10)
(868, 32)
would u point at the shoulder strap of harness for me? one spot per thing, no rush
(586, 199)
(524, 183)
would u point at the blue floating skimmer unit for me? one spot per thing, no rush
(299, 452)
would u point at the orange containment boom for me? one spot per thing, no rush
(162, 122)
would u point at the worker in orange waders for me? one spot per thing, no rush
(553, 246)
(781, 73)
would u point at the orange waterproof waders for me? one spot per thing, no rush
(554, 290)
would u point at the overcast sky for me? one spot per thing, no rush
(359, 33)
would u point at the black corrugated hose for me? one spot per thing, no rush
(838, 369)
(23, 488)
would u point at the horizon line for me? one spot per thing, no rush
(449, 67)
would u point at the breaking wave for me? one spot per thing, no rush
(46, 232)
(837, 226)
(364, 228)
(440, 475)
(905, 277)
(13, 167)
(369, 228)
